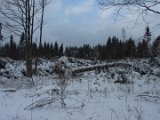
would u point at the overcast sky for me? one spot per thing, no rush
(78, 22)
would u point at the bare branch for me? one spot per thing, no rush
(144, 5)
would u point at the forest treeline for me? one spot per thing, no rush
(113, 49)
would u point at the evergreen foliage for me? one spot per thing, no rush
(156, 47)
(113, 49)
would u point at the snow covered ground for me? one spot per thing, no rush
(91, 95)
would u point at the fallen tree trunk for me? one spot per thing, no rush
(106, 66)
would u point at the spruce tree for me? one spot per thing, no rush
(34, 49)
(114, 47)
(130, 48)
(51, 50)
(156, 47)
(108, 47)
(61, 50)
(56, 49)
(147, 35)
(12, 48)
(21, 47)
(147, 39)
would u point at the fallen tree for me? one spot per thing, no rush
(108, 65)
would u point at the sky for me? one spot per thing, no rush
(78, 22)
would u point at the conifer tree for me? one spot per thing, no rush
(51, 50)
(108, 48)
(114, 47)
(12, 48)
(56, 49)
(142, 49)
(130, 48)
(61, 50)
(34, 49)
(147, 39)
(147, 35)
(156, 47)
(21, 47)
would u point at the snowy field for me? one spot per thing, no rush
(90, 95)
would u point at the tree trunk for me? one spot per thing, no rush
(28, 41)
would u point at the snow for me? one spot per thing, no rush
(91, 95)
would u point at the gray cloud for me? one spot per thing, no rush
(86, 23)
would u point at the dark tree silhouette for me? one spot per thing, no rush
(130, 48)
(56, 49)
(61, 50)
(156, 47)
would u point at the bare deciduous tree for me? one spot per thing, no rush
(18, 16)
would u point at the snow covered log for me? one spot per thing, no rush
(89, 68)
(106, 66)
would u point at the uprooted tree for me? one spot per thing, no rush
(18, 16)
